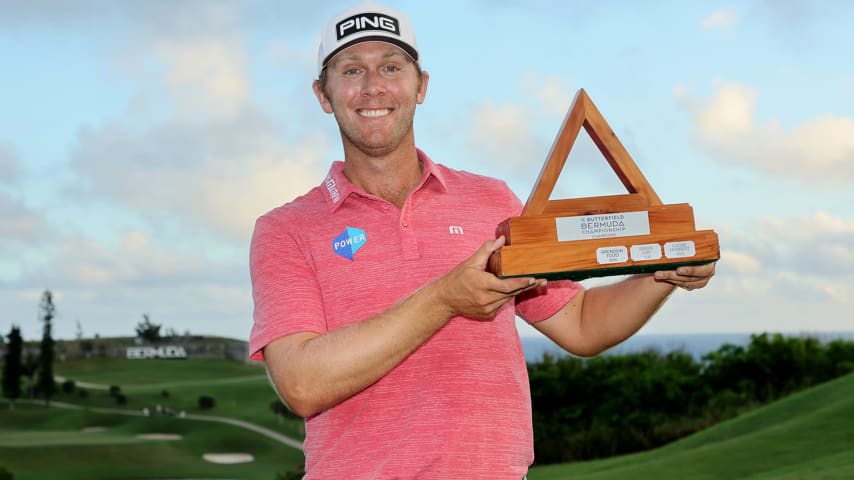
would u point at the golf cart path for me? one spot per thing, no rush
(203, 418)
(182, 383)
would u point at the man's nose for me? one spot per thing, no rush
(373, 83)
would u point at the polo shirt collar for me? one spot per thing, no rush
(336, 188)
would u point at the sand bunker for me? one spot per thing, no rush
(228, 457)
(159, 436)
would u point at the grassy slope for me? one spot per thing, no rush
(38, 443)
(809, 435)
(240, 390)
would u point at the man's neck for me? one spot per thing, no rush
(391, 177)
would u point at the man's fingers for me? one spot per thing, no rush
(481, 256)
(688, 277)
(514, 286)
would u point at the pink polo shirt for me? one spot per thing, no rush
(457, 407)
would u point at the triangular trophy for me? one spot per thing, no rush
(598, 236)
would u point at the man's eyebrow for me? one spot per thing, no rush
(350, 57)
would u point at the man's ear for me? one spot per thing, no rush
(422, 91)
(325, 104)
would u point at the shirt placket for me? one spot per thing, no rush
(408, 237)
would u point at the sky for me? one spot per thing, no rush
(139, 141)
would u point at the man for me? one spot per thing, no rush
(373, 310)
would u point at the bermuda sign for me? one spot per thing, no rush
(165, 351)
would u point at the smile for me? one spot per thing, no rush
(374, 113)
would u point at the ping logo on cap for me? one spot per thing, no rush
(366, 22)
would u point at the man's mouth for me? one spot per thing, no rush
(375, 113)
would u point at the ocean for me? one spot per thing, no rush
(695, 344)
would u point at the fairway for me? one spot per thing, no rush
(154, 373)
(806, 436)
(45, 443)
(27, 438)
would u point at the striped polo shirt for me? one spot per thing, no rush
(460, 404)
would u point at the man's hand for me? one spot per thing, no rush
(470, 291)
(689, 278)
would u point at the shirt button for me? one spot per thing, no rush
(404, 223)
(385, 206)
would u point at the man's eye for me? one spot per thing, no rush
(351, 71)
(391, 68)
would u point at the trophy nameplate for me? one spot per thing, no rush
(601, 236)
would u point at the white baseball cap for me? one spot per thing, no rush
(365, 22)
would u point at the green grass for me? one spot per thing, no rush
(151, 373)
(809, 435)
(46, 443)
(240, 390)
(41, 443)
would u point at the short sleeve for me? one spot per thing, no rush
(284, 286)
(538, 305)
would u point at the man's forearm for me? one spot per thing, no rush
(613, 313)
(324, 370)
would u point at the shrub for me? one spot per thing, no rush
(279, 408)
(68, 386)
(206, 402)
(296, 474)
(6, 474)
(82, 393)
(121, 399)
(164, 394)
(114, 390)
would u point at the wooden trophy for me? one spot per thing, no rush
(598, 236)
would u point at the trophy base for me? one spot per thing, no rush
(579, 260)
(578, 275)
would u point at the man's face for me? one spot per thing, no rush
(372, 88)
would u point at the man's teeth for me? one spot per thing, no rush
(374, 113)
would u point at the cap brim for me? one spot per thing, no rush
(372, 38)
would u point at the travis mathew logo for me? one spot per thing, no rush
(366, 22)
(349, 242)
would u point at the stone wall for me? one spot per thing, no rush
(196, 347)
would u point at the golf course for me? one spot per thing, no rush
(159, 430)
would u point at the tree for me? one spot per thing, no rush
(206, 402)
(13, 367)
(7, 475)
(46, 385)
(147, 330)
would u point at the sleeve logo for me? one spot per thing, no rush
(349, 242)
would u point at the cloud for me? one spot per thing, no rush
(511, 134)
(502, 134)
(219, 176)
(818, 244)
(552, 93)
(805, 258)
(819, 151)
(133, 260)
(194, 148)
(8, 164)
(740, 262)
(19, 223)
(206, 76)
(720, 19)
(107, 286)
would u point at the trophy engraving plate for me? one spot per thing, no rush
(600, 236)
(606, 225)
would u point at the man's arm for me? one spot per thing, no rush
(597, 319)
(313, 372)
